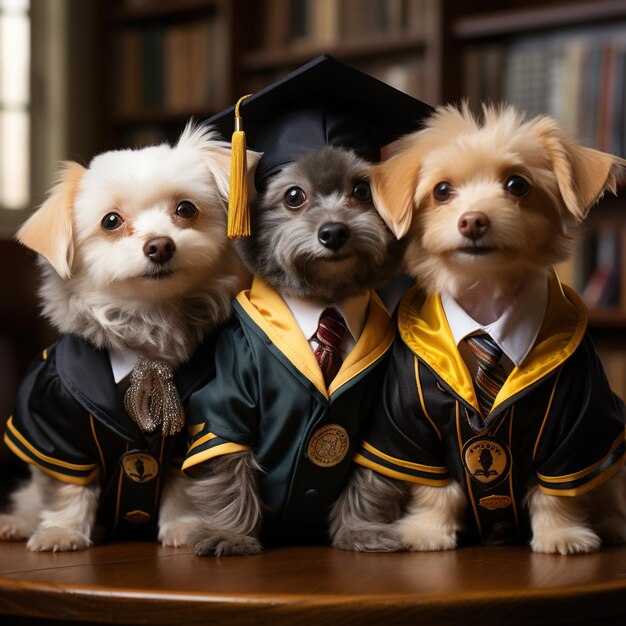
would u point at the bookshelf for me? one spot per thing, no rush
(398, 41)
(163, 61)
(567, 59)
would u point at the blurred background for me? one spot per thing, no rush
(81, 76)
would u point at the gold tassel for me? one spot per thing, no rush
(238, 210)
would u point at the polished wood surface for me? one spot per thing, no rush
(137, 583)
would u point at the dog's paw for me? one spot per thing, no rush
(57, 539)
(14, 528)
(572, 540)
(427, 539)
(370, 540)
(226, 544)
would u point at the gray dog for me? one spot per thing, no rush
(272, 440)
(316, 232)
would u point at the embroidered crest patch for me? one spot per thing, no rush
(140, 467)
(492, 503)
(328, 446)
(486, 460)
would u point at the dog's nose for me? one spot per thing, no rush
(333, 235)
(473, 224)
(159, 249)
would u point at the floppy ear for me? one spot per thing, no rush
(582, 174)
(393, 184)
(49, 230)
(218, 159)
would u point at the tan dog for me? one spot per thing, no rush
(137, 273)
(535, 449)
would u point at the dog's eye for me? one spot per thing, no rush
(295, 197)
(111, 221)
(517, 186)
(442, 191)
(361, 191)
(186, 209)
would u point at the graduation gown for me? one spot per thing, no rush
(269, 396)
(70, 422)
(555, 421)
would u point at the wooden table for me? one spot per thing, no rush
(137, 583)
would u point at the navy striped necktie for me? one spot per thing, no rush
(491, 375)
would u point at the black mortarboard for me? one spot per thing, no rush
(322, 103)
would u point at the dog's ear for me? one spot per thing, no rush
(218, 158)
(49, 231)
(393, 184)
(582, 174)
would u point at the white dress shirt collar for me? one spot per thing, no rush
(517, 328)
(122, 363)
(353, 310)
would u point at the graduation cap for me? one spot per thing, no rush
(323, 103)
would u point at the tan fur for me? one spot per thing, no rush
(526, 234)
(49, 230)
(476, 156)
(433, 518)
(582, 174)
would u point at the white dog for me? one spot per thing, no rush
(137, 272)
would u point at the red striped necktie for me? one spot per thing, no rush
(491, 375)
(329, 335)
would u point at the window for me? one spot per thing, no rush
(14, 104)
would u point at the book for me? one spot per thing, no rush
(128, 72)
(276, 25)
(577, 76)
(603, 286)
(325, 22)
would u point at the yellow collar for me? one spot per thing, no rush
(270, 312)
(423, 327)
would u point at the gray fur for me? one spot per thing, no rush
(361, 519)
(284, 248)
(285, 251)
(230, 508)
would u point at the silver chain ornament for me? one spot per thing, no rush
(152, 399)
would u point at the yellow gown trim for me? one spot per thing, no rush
(270, 313)
(424, 328)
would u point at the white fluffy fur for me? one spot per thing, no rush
(110, 299)
(100, 285)
(528, 235)
(433, 518)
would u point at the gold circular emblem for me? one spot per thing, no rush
(328, 446)
(487, 460)
(140, 467)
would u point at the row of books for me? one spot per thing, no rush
(597, 273)
(578, 77)
(327, 22)
(407, 73)
(596, 270)
(146, 134)
(174, 68)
